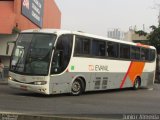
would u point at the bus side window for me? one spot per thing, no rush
(86, 46)
(98, 48)
(124, 51)
(152, 55)
(82, 46)
(145, 54)
(62, 54)
(112, 49)
(135, 53)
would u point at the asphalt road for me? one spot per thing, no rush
(142, 101)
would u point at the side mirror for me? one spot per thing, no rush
(8, 46)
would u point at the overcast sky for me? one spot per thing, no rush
(97, 16)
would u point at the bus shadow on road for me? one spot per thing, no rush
(38, 95)
(112, 91)
(30, 94)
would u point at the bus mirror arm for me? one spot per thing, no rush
(7, 49)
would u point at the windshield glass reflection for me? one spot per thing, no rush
(32, 54)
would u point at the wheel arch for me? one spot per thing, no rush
(137, 83)
(139, 78)
(82, 77)
(135, 77)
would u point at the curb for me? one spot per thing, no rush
(6, 116)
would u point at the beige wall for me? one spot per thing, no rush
(3, 46)
(131, 35)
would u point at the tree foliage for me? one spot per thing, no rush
(154, 37)
(141, 33)
(15, 30)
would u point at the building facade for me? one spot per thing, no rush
(115, 34)
(18, 15)
(133, 37)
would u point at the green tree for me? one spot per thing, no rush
(154, 40)
(141, 33)
(154, 37)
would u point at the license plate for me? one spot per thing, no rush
(23, 87)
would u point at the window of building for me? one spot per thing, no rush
(124, 51)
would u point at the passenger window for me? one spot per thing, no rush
(144, 54)
(86, 46)
(82, 46)
(152, 55)
(98, 48)
(62, 54)
(112, 49)
(124, 51)
(135, 53)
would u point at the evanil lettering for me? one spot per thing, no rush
(101, 68)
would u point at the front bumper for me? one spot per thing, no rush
(43, 89)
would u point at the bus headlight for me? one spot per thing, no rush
(10, 78)
(40, 82)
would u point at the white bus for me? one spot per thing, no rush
(50, 61)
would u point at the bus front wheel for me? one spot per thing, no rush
(137, 83)
(77, 87)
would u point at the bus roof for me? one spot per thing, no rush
(59, 32)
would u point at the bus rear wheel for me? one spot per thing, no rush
(137, 84)
(77, 87)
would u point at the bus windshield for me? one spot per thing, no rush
(32, 54)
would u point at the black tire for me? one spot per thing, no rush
(137, 84)
(77, 87)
